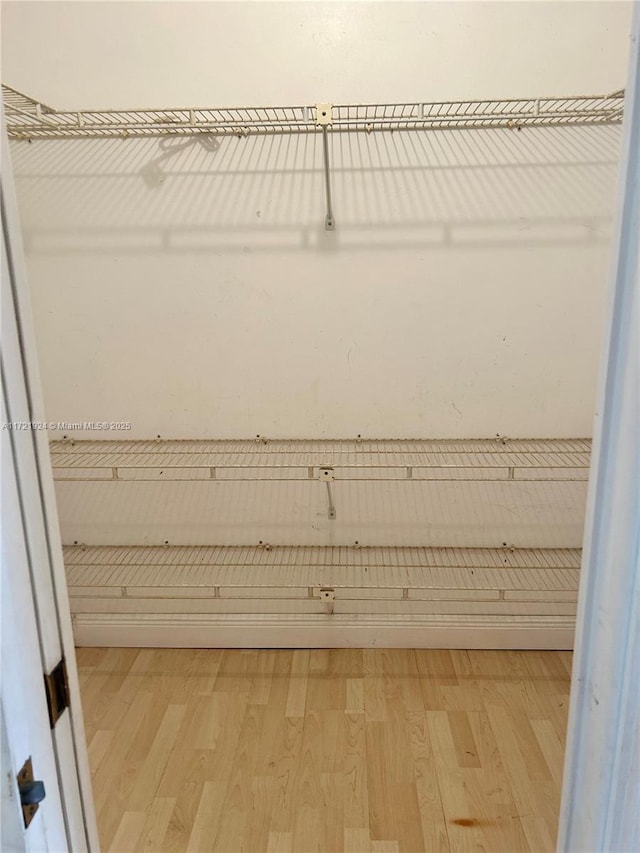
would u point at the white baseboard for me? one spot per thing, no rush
(323, 632)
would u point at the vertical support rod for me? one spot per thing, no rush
(329, 222)
(601, 788)
(332, 509)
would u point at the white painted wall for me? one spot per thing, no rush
(461, 294)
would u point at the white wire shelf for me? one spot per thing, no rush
(27, 118)
(501, 579)
(261, 459)
(119, 587)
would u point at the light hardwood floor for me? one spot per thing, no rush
(377, 750)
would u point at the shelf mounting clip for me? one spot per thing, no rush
(327, 596)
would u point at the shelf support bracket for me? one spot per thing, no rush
(329, 221)
(324, 119)
(332, 508)
(327, 475)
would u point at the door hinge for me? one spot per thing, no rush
(57, 690)
(32, 792)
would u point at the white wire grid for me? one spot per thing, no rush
(227, 571)
(27, 118)
(491, 459)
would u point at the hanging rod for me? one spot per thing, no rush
(29, 119)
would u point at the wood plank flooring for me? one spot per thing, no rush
(361, 750)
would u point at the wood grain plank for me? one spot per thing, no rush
(364, 750)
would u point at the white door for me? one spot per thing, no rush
(36, 626)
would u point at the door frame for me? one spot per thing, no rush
(601, 785)
(45, 580)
